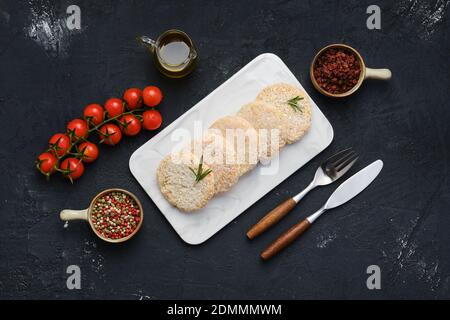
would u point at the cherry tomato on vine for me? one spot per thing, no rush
(151, 120)
(89, 150)
(46, 163)
(130, 125)
(114, 107)
(133, 98)
(95, 113)
(110, 134)
(152, 96)
(74, 167)
(59, 143)
(79, 127)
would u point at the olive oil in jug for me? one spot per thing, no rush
(174, 53)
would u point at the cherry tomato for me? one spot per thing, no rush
(95, 113)
(60, 142)
(111, 134)
(114, 107)
(152, 96)
(90, 151)
(151, 120)
(131, 125)
(74, 166)
(79, 128)
(133, 98)
(46, 162)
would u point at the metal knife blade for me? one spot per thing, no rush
(354, 185)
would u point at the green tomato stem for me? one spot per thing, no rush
(96, 129)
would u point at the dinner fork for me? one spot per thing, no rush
(329, 171)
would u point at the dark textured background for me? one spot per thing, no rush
(401, 222)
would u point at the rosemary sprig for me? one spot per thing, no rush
(294, 103)
(200, 174)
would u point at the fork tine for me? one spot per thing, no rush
(337, 156)
(338, 162)
(344, 166)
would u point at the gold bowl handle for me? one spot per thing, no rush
(68, 214)
(378, 74)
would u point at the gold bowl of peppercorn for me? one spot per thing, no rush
(115, 215)
(338, 71)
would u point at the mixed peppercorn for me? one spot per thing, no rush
(337, 70)
(115, 215)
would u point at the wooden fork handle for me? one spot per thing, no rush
(271, 218)
(285, 239)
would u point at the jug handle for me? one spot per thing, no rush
(147, 42)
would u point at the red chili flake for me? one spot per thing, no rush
(337, 70)
(113, 212)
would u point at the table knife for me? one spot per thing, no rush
(345, 192)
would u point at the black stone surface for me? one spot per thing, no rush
(401, 222)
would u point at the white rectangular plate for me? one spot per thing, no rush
(227, 99)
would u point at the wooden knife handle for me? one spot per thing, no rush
(271, 218)
(285, 239)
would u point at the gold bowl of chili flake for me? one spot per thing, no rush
(115, 215)
(338, 70)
